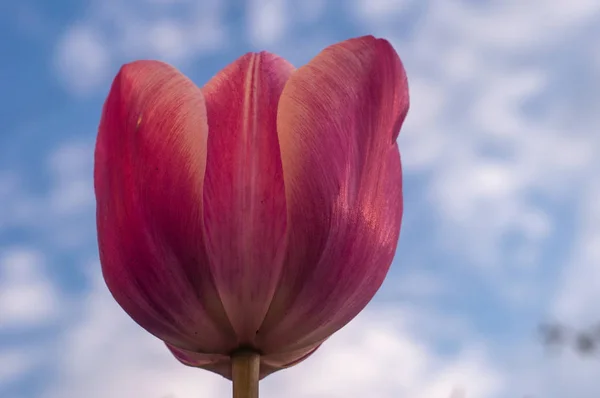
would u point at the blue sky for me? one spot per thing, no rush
(502, 194)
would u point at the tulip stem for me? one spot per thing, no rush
(245, 366)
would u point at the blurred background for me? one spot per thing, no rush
(494, 289)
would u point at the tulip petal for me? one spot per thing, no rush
(338, 120)
(221, 364)
(149, 167)
(244, 197)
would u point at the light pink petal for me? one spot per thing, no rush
(149, 167)
(338, 120)
(244, 198)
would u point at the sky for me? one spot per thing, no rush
(501, 158)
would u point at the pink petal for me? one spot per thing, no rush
(244, 198)
(338, 120)
(149, 167)
(221, 364)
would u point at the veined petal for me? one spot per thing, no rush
(244, 197)
(338, 120)
(221, 364)
(149, 168)
(217, 363)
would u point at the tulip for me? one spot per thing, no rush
(245, 222)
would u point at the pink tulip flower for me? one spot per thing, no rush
(260, 212)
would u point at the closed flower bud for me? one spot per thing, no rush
(260, 212)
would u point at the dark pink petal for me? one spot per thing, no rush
(149, 169)
(244, 198)
(287, 359)
(221, 364)
(217, 363)
(338, 120)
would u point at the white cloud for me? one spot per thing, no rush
(27, 297)
(579, 288)
(533, 23)
(416, 284)
(273, 25)
(378, 10)
(83, 58)
(308, 11)
(267, 21)
(118, 31)
(469, 132)
(379, 354)
(105, 354)
(495, 166)
(570, 375)
(63, 214)
(72, 170)
(534, 373)
(14, 363)
(17, 207)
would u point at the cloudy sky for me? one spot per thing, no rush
(502, 195)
